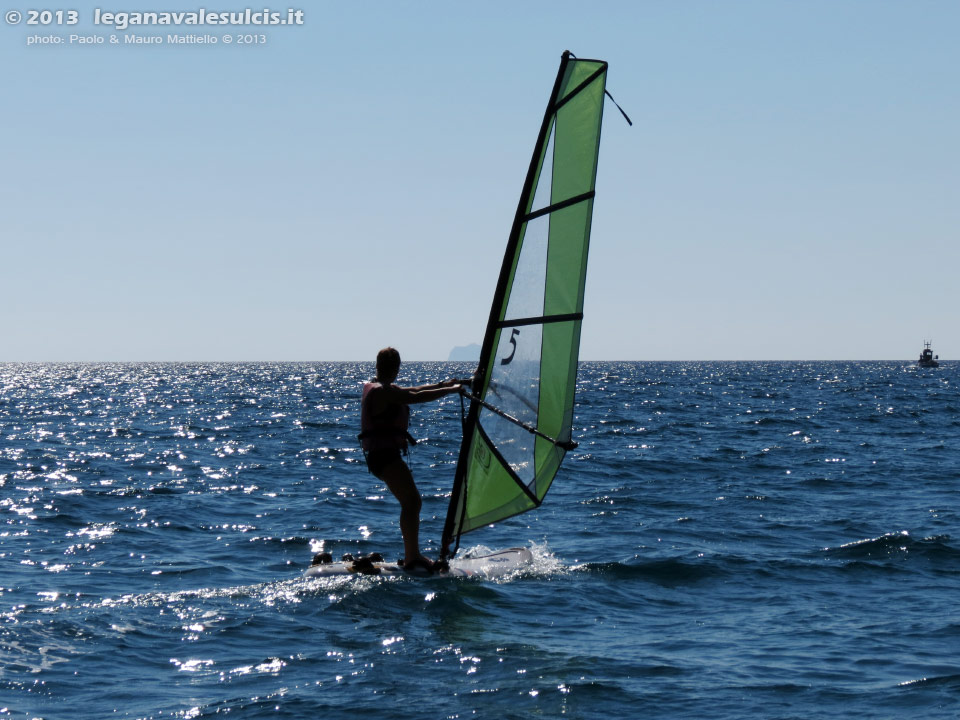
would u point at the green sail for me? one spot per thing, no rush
(518, 428)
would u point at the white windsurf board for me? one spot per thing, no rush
(491, 565)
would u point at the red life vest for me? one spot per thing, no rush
(388, 429)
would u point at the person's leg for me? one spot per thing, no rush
(399, 480)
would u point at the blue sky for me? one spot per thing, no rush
(789, 188)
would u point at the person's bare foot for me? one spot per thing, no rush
(419, 564)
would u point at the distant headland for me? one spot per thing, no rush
(465, 353)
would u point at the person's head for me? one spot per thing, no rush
(388, 364)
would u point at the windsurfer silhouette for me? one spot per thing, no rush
(384, 419)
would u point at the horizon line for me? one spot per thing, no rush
(291, 362)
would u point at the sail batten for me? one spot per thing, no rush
(539, 320)
(573, 93)
(559, 206)
(519, 424)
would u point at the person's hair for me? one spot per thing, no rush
(388, 361)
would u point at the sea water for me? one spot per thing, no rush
(729, 540)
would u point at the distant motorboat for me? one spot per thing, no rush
(927, 358)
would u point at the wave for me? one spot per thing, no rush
(666, 572)
(892, 544)
(951, 682)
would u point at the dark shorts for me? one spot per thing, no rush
(378, 460)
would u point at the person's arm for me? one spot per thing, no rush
(434, 386)
(420, 393)
(426, 393)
